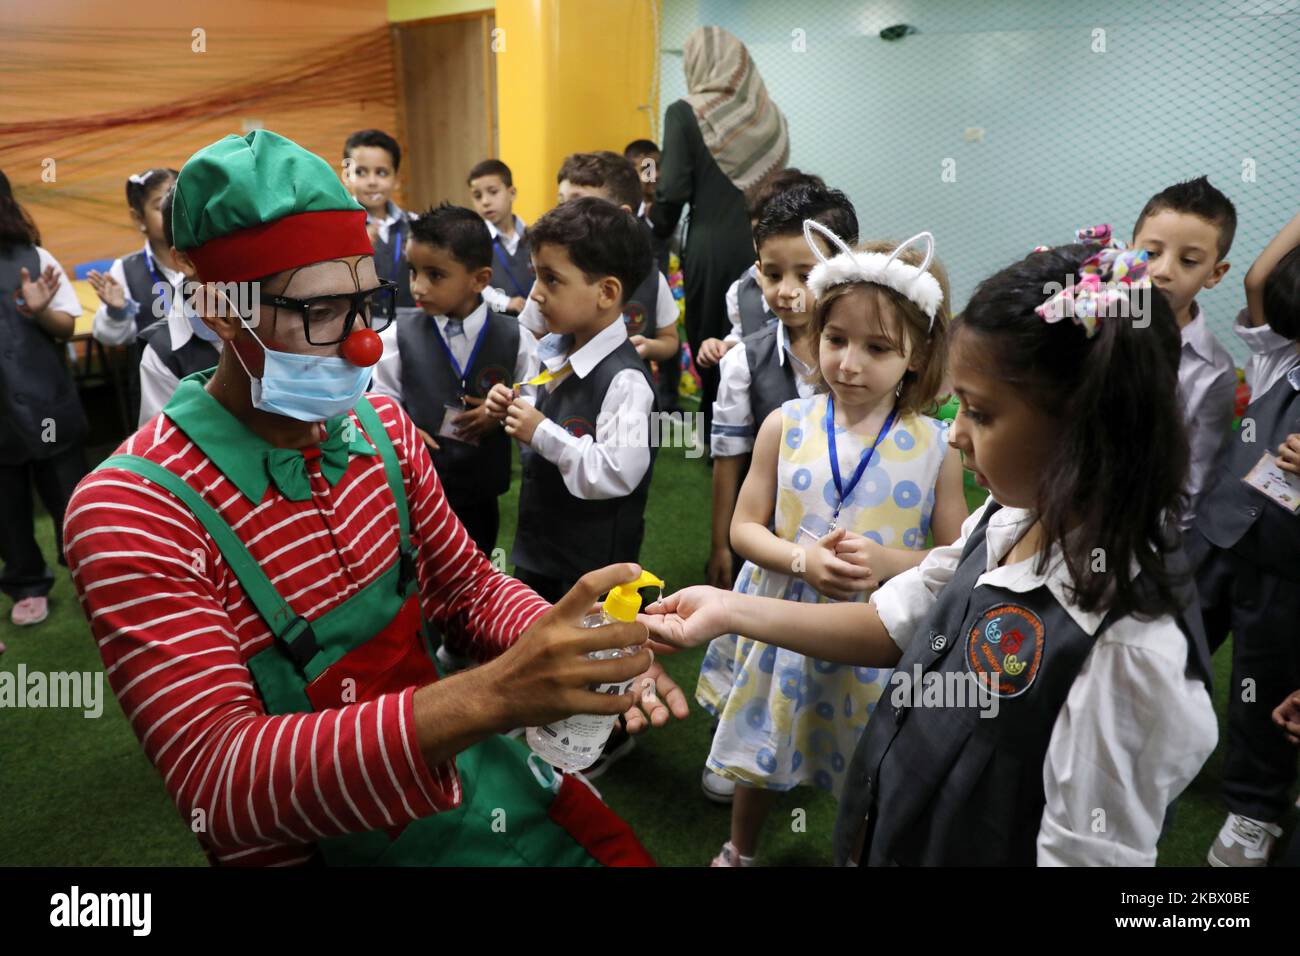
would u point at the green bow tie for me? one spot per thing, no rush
(288, 468)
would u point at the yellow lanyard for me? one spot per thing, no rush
(546, 376)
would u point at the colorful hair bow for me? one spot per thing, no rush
(1095, 235)
(1101, 235)
(1103, 282)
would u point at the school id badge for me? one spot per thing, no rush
(1270, 480)
(449, 428)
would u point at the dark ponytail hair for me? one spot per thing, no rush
(141, 186)
(1115, 479)
(16, 227)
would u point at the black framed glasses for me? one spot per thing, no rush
(328, 319)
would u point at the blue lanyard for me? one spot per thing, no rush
(496, 246)
(840, 490)
(462, 374)
(397, 252)
(159, 280)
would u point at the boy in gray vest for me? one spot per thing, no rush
(747, 310)
(586, 452)
(442, 358)
(1187, 230)
(1245, 545)
(492, 188)
(371, 160)
(649, 309)
(179, 344)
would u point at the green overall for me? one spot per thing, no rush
(512, 811)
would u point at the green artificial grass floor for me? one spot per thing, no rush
(77, 791)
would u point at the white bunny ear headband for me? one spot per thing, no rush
(881, 268)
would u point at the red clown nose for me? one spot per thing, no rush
(362, 347)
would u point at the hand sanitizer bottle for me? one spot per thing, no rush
(574, 743)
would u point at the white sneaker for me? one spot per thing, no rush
(1243, 842)
(728, 856)
(717, 787)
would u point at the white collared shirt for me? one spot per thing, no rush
(510, 243)
(157, 383)
(498, 299)
(1134, 729)
(733, 304)
(395, 214)
(1207, 388)
(122, 330)
(600, 466)
(1272, 356)
(734, 428)
(388, 370)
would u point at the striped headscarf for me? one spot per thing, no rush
(744, 130)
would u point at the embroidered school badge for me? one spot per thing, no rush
(1005, 648)
(634, 318)
(577, 427)
(491, 375)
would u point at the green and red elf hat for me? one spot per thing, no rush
(250, 206)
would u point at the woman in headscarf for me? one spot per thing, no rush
(720, 142)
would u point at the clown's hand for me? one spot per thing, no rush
(658, 697)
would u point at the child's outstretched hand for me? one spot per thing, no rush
(108, 289)
(862, 552)
(1288, 454)
(1287, 716)
(688, 618)
(498, 400)
(832, 575)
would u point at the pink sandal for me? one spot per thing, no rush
(29, 611)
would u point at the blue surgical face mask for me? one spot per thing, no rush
(199, 327)
(310, 388)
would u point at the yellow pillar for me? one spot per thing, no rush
(572, 76)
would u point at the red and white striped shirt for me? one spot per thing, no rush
(176, 632)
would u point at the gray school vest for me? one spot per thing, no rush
(563, 536)
(640, 311)
(196, 355)
(770, 385)
(429, 384)
(140, 285)
(390, 260)
(753, 316)
(1230, 510)
(943, 786)
(512, 273)
(41, 410)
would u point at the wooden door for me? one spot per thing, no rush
(447, 104)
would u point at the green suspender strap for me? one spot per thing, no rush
(279, 670)
(378, 436)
